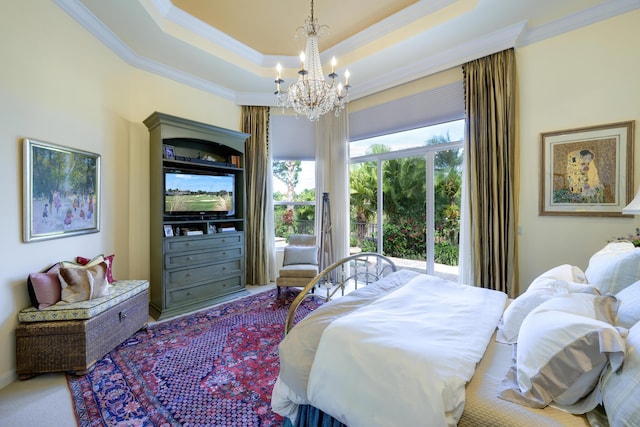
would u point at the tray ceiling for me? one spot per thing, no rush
(230, 47)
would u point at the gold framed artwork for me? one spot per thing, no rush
(61, 191)
(587, 171)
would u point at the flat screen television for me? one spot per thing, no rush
(190, 193)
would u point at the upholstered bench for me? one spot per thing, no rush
(72, 337)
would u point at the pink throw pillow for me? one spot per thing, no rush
(44, 289)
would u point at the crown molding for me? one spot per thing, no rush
(578, 20)
(91, 23)
(512, 36)
(385, 27)
(454, 57)
(191, 23)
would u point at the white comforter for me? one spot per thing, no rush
(399, 357)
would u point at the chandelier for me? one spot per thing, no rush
(311, 95)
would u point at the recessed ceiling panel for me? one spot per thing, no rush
(269, 27)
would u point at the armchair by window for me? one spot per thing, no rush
(300, 263)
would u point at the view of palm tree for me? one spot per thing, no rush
(404, 211)
(299, 215)
(404, 225)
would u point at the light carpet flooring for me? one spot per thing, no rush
(45, 400)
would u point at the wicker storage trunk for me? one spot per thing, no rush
(75, 345)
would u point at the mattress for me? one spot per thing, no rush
(483, 408)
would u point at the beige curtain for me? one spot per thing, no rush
(490, 99)
(259, 233)
(332, 176)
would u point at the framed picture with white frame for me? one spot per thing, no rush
(61, 191)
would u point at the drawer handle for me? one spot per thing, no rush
(224, 241)
(189, 258)
(188, 244)
(224, 268)
(188, 274)
(123, 315)
(224, 253)
(189, 293)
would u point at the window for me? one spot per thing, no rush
(294, 198)
(405, 197)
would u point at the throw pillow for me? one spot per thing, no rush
(614, 267)
(44, 289)
(563, 346)
(82, 284)
(300, 255)
(94, 261)
(621, 387)
(107, 259)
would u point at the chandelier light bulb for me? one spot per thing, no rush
(279, 70)
(333, 65)
(302, 59)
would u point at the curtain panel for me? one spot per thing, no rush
(491, 150)
(332, 176)
(259, 232)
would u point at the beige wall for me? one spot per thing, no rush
(59, 84)
(582, 78)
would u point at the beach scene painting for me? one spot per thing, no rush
(61, 191)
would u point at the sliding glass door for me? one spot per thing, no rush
(405, 204)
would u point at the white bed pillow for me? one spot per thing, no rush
(621, 388)
(629, 305)
(516, 312)
(566, 272)
(550, 284)
(563, 346)
(614, 267)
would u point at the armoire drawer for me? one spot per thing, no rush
(211, 241)
(183, 259)
(206, 290)
(184, 276)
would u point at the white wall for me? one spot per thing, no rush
(61, 85)
(582, 78)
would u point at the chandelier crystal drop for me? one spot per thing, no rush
(312, 95)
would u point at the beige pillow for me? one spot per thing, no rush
(82, 284)
(94, 261)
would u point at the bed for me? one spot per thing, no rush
(414, 349)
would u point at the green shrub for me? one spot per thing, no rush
(405, 238)
(446, 253)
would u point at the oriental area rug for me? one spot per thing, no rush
(212, 368)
